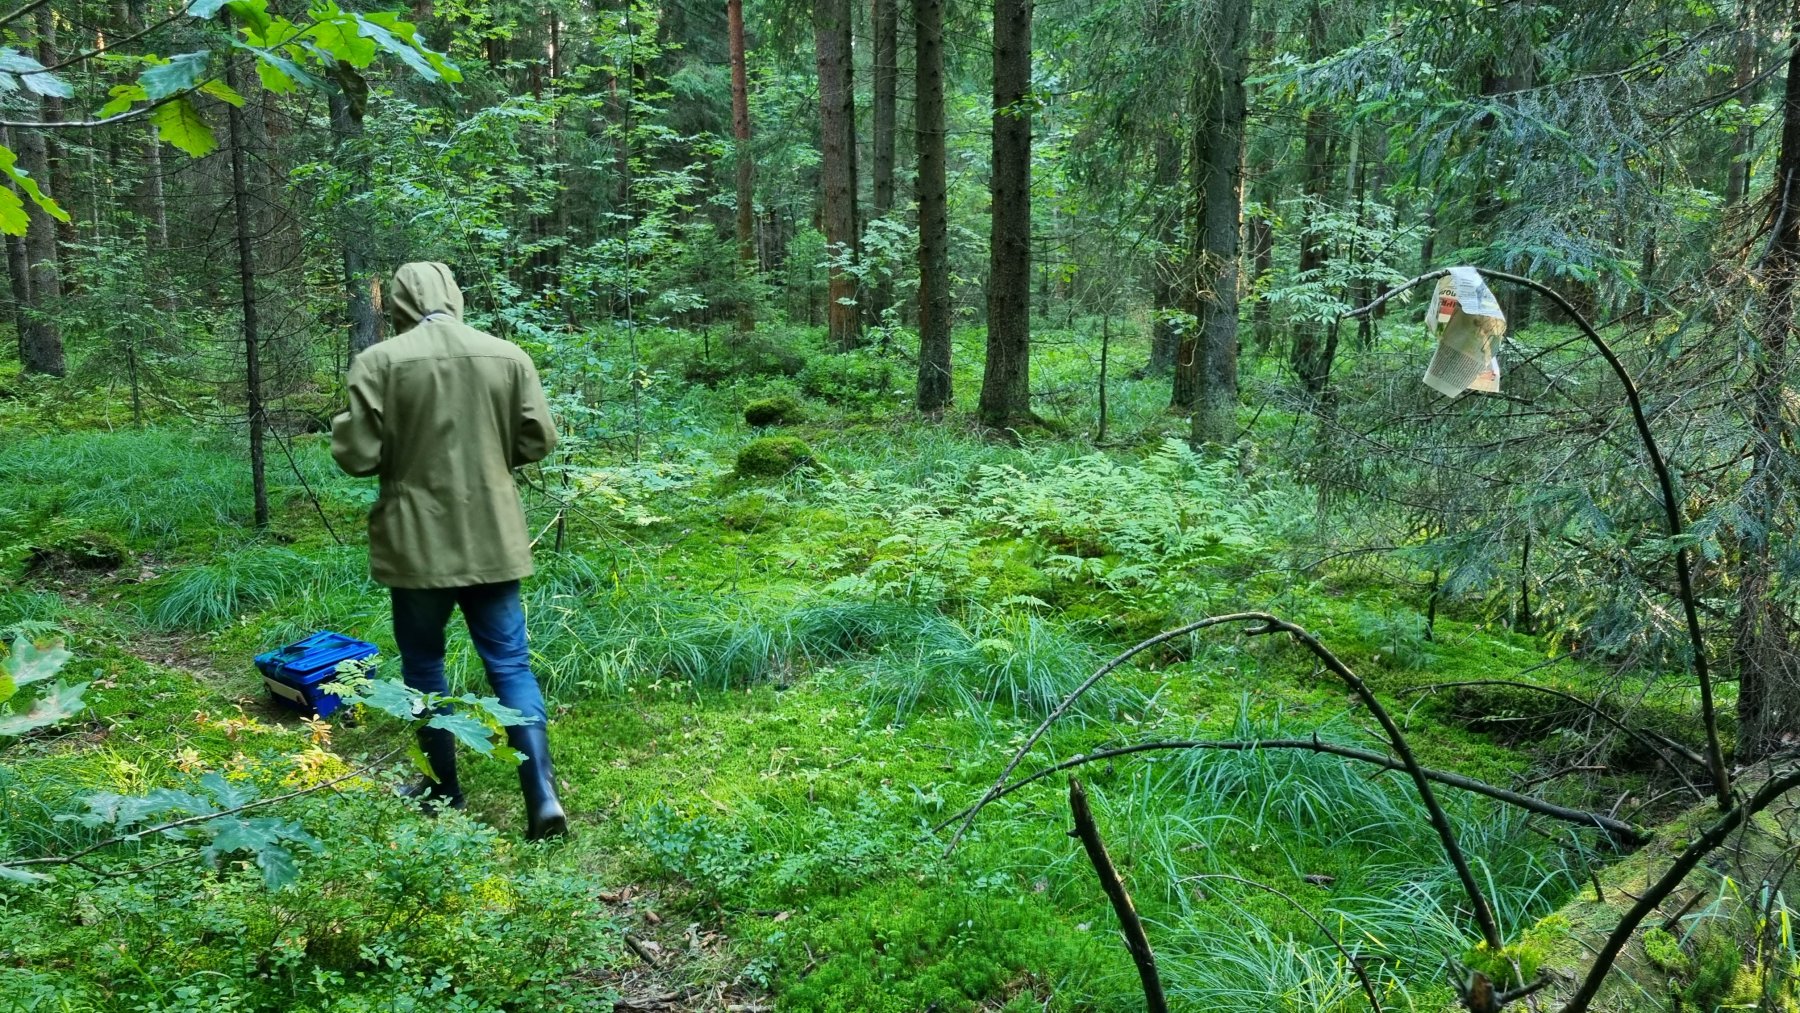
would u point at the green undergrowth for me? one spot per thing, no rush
(765, 696)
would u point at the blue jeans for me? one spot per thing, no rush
(496, 621)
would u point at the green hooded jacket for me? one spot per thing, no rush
(443, 413)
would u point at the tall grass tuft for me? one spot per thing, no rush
(209, 595)
(591, 633)
(152, 486)
(1015, 659)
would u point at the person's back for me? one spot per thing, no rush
(442, 414)
(446, 414)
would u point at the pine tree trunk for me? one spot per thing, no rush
(837, 131)
(241, 214)
(885, 16)
(746, 187)
(1006, 381)
(934, 389)
(1220, 164)
(361, 312)
(1165, 292)
(1768, 672)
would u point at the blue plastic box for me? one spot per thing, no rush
(296, 674)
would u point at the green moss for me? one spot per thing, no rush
(780, 410)
(773, 456)
(1664, 951)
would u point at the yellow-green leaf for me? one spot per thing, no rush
(338, 37)
(9, 167)
(223, 92)
(182, 126)
(124, 96)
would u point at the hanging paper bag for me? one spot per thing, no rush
(1468, 323)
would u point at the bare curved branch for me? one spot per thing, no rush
(1715, 753)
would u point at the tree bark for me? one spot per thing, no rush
(152, 206)
(934, 389)
(19, 284)
(1768, 672)
(1219, 164)
(1262, 261)
(40, 346)
(885, 16)
(1307, 353)
(18, 267)
(746, 187)
(56, 176)
(361, 310)
(1165, 288)
(1737, 174)
(837, 132)
(1006, 381)
(241, 214)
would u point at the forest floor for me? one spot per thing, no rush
(766, 692)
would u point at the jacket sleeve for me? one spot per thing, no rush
(537, 434)
(356, 434)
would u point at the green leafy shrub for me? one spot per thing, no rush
(848, 378)
(755, 356)
(395, 912)
(780, 410)
(716, 859)
(773, 456)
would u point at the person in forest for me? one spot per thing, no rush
(443, 413)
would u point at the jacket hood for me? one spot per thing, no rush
(422, 288)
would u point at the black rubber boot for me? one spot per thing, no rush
(544, 817)
(442, 788)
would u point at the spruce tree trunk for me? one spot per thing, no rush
(1737, 174)
(837, 132)
(746, 187)
(1307, 352)
(1768, 675)
(1220, 167)
(18, 270)
(40, 342)
(19, 285)
(885, 16)
(151, 205)
(1165, 292)
(1262, 261)
(57, 174)
(242, 214)
(1006, 380)
(362, 314)
(934, 390)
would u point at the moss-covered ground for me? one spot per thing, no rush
(767, 689)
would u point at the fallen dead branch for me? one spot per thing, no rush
(1129, 923)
